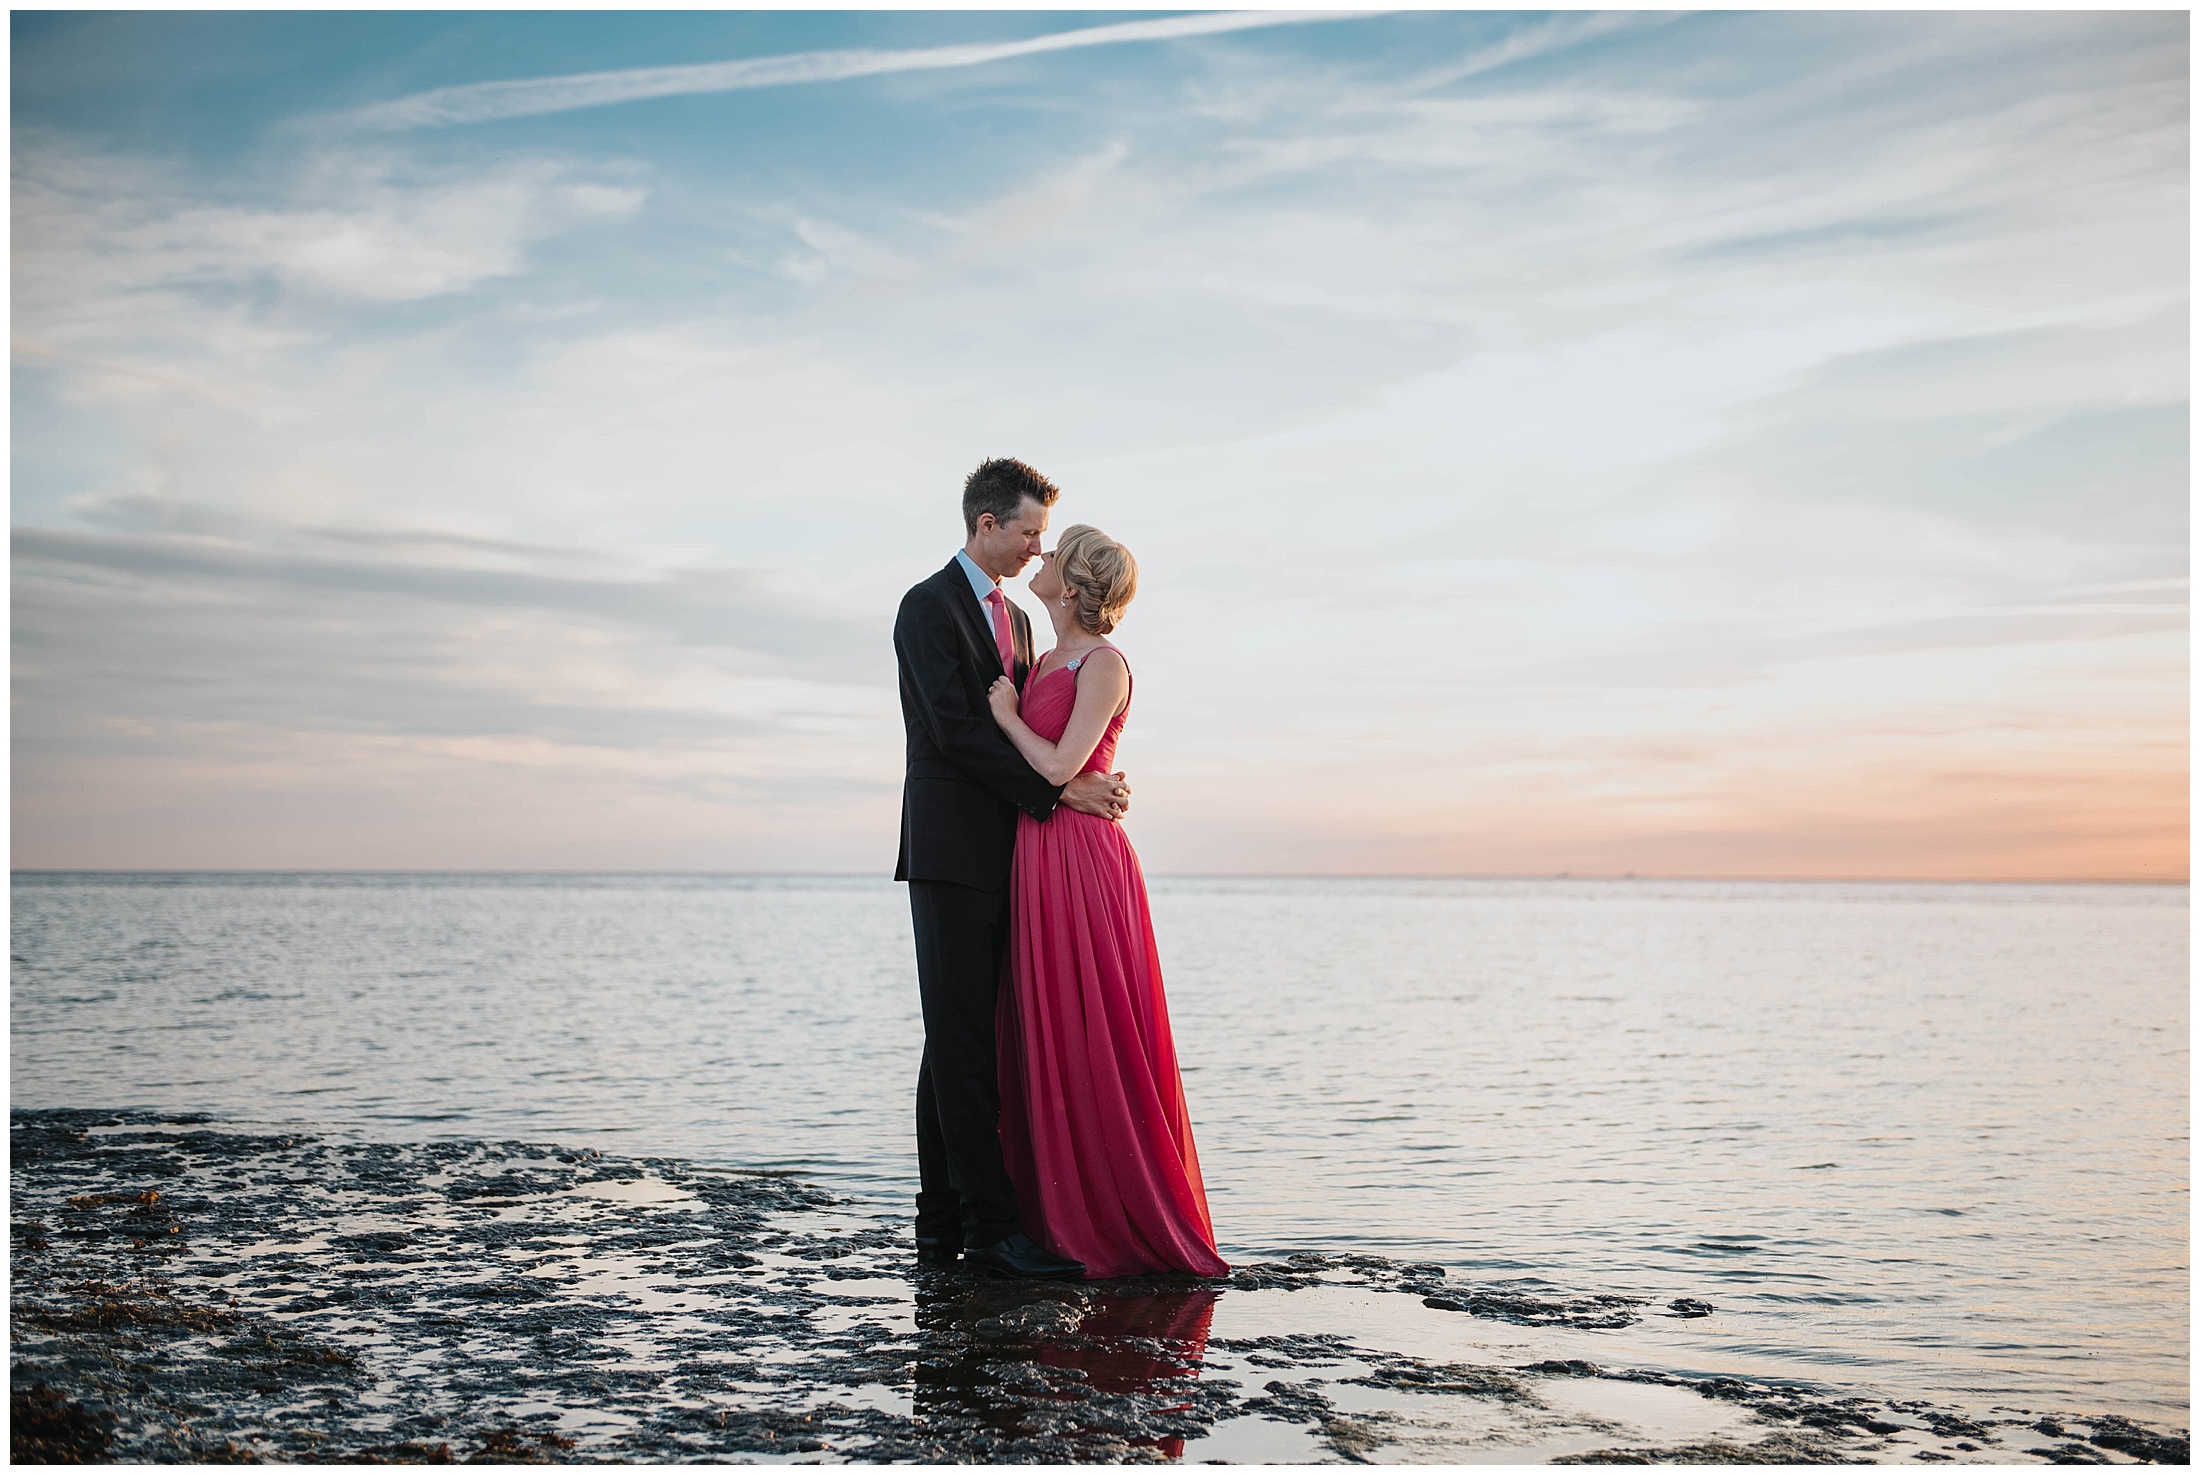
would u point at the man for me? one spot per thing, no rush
(957, 632)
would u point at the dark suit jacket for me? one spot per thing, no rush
(966, 780)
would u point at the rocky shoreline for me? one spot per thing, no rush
(186, 1293)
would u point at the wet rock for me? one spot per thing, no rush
(1352, 1437)
(2071, 1454)
(375, 1303)
(1779, 1449)
(1412, 1376)
(1304, 1349)
(45, 1428)
(186, 1294)
(1428, 1282)
(408, 1452)
(1590, 1313)
(1955, 1426)
(1292, 1403)
(1688, 1307)
(514, 1446)
(1837, 1418)
(1374, 1272)
(2143, 1444)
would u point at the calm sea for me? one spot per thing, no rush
(1925, 1138)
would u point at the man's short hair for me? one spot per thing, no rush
(999, 487)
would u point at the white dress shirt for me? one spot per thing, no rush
(983, 584)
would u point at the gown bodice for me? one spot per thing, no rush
(1048, 701)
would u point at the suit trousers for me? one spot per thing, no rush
(963, 1187)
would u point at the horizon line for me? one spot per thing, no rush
(1163, 875)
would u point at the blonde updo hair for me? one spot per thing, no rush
(1100, 572)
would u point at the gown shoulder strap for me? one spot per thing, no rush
(1073, 665)
(1127, 677)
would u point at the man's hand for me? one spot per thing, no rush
(1104, 794)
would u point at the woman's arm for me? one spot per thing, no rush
(1103, 683)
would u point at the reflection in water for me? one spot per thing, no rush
(1133, 1343)
(1108, 1358)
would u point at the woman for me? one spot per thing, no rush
(1092, 1112)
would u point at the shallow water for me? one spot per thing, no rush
(1928, 1139)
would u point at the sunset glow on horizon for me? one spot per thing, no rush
(1727, 445)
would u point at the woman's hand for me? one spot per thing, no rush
(1002, 697)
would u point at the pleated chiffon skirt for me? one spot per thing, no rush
(1093, 1120)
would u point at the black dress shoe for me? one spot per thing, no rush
(937, 1252)
(1019, 1257)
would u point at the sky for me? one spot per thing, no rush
(1722, 444)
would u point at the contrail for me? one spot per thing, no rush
(483, 102)
(31, 348)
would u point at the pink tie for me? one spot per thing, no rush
(999, 601)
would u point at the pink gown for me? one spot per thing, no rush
(1093, 1124)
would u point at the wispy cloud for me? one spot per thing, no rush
(485, 102)
(95, 232)
(745, 617)
(31, 348)
(1530, 42)
(206, 664)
